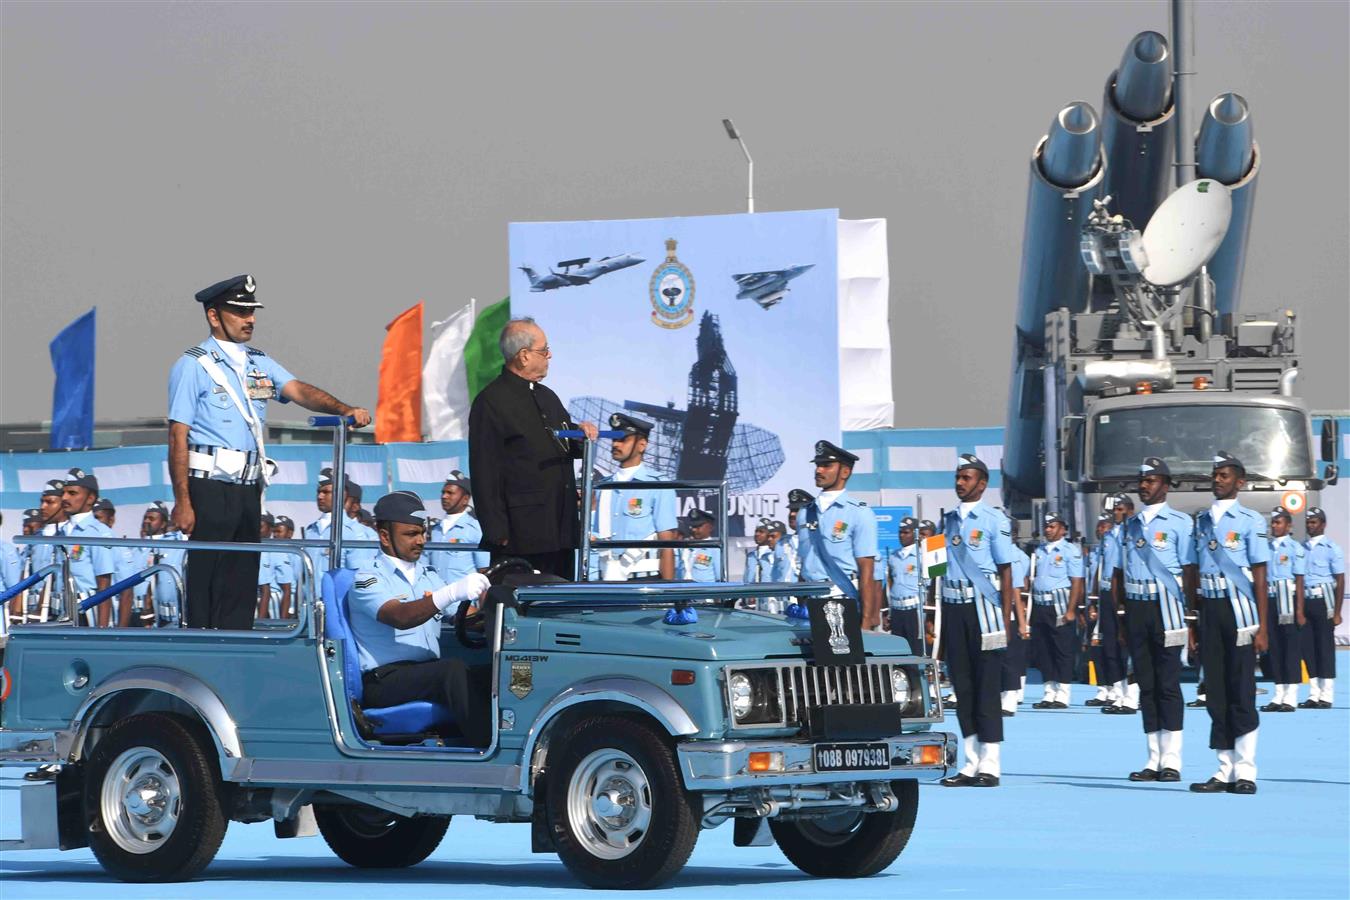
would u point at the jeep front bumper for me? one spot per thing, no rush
(725, 765)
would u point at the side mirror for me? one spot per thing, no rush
(1331, 474)
(1329, 436)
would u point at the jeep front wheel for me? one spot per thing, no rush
(616, 809)
(152, 800)
(849, 844)
(370, 838)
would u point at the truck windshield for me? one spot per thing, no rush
(1270, 441)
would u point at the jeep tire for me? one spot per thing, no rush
(617, 811)
(152, 799)
(849, 844)
(370, 838)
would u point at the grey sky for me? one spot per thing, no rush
(359, 157)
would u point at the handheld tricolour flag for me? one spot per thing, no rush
(935, 556)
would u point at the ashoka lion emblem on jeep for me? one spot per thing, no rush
(834, 617)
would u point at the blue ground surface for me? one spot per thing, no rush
(1065, 823)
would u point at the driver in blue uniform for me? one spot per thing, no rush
(396, 606)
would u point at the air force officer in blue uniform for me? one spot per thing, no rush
(1055, 594)
(1324, 594)
(979, 607)
(218, 393)
(838, 532)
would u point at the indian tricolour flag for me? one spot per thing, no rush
(935, 556)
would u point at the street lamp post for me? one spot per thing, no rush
(749, 163)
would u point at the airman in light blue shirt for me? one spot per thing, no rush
(640, 514)
(903, 568)
(703, 564)
(206, 407)
(376, 584)
(460, 526)
(839, 534)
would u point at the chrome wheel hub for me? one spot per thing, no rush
(140, 800)
(609, 804)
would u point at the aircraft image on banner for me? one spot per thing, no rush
(577, 272)
(767, 288)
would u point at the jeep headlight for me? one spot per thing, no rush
(899, 685)
(742, 696)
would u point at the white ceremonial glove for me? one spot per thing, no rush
(470, 587)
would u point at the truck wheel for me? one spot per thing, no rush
(616, 809)
(152, 800)
(849, 844)
(371, 838)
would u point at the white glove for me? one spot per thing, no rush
(470, 587)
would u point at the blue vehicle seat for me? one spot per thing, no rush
(406, 720)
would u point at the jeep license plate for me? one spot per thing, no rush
(852, 757)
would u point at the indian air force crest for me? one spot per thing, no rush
(672, 291)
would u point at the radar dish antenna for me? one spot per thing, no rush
(1185, 232)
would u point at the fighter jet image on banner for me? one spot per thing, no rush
(767, 288)
(576, 272)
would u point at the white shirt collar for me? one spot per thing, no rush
(237, 354)
(78, 519)
(968, 508)
(827, 498)
(409, 569)
(451, 519)
(322, 521)
(1314, 541)
(1220, 507)
(1150, 513)
(627, 474)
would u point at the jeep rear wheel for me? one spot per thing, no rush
(370, 838)
(152, 801)
(849, 844)
(616, 809)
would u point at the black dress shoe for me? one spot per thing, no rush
(1095, 702)
(1144, 775)
(1119, 710)
(1043, 704)
(957, 780)
(1213, 786)
(1008, 714)
(1310, 704)
(985, 780)
(1275, 707)
(1324, 704)
(1059, 704)
(1196, 704)
(1169, 775)
(1243, 786)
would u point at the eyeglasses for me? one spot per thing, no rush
(544, 350)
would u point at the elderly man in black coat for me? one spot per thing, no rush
(524, 486)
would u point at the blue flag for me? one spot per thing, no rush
(73, 394)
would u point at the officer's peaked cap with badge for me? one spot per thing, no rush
(53, 488)
(909, 522)
(778, 527)
(285, 522)
(101, 504)
(1315, 512)
(699, 516)
(799, 499)
(929, 524)
(352, 489)
(241, 290)
(971, 461)
(630, 425)
(1154, 465)
(158, 506)
(1224, 459)
(1119, 498)
(764, 523)
(81, 478)
(1280, 512)
(32, 515)
(459, 480)
(268, 518)
(1105, 517)
(1052, 518)
(403, 507)
(829, 453)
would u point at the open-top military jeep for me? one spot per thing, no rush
(617, 735)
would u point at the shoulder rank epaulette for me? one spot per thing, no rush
(254, 351)
(194, 351)
(366, 582)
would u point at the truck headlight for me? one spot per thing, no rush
(899, 686)
(742, 696)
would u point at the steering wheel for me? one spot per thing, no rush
(469, 628)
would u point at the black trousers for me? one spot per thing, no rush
(1108, 655)
(1014, 662)
(1319, 641)
(905, 624)
(1230, 677)
(1286, 653)
(1053, 644)
(222, 586)
(1157, 668)
(465, 690)
(976, 675)
(556, 562)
